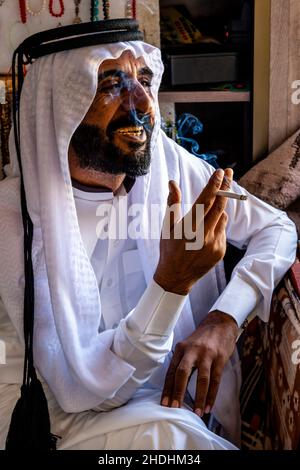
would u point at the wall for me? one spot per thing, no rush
(285, 69)
(261, 78)
(204, 7)
(13, 31)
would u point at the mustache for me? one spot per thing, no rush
(133, 119)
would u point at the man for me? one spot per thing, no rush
(106, 309)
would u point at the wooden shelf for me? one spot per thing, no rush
(203, 96)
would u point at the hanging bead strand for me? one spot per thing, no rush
(22, 6)
(95, 10)
(105, 6)
(92, 11)
(52, 12)
(38, 12)
(128, 9)
(134, 9)
(77, 18)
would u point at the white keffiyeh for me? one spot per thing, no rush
(56, 95)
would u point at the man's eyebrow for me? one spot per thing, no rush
(110, 73)
(146, 71)
(118, 73)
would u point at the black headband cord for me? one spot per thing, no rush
(30, 422)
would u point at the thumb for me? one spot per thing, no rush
(174, 193)
(173, 211)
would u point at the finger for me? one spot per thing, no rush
(213, 388)
(226, 185)
(227, 180)
(207, 198)
(219, 205)
(203, 379)
(183, 373)
(174, 193)
(174, 202)
(169, 380)
(220, 228)
(216, 220)
(173, 210)
(219, 235)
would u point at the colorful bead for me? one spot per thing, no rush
(105, 7)
(22, 6)
(38, 12)
(62, 9)
(77, 18)
(94, 10)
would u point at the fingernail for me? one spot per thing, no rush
(218, 175)
(175, 404)
(227, 182)
(165, 401)
(199, 412)
(207, 409)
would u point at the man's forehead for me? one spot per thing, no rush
(124, 62)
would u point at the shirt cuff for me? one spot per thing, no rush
(238, 299)
(157, 312)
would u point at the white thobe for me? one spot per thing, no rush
(142, 338)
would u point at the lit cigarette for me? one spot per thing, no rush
(231, 195)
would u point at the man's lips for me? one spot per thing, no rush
(132, 133)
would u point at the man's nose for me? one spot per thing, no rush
(136, 97)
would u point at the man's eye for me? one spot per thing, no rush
(145, 83)
(107, 86)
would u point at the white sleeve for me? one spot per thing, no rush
(144, 338)
(270, 240)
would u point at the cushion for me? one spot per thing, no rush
(293, 212)
(276, 179)
(270, 401)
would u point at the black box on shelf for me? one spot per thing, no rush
(197, 69)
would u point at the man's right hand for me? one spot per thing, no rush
(179, 268)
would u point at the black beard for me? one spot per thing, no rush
(96, 151)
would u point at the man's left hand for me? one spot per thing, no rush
(207, 350)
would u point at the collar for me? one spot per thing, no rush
(93, 196)
(94, 193)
